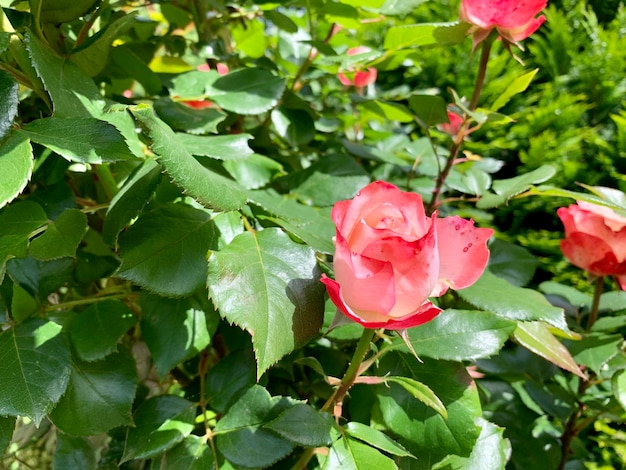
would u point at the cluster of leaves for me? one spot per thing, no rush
(163, 230)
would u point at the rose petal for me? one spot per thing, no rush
(503, 13)
(426, 313)
(591, 254)
(364, 78)
(622, 281)
(611, 218)
(463, 253)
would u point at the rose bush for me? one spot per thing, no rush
(595, 239)
(390, 257)
(514, 20)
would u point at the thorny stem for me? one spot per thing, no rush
(335, 402)
(89, 23)
(595, 306)
(297, 81)
(456, 146)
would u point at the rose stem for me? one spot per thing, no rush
(336, 399)
(595, 306)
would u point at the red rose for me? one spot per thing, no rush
(360, 78)
(595, 239)
(513, 19)
(390, 257)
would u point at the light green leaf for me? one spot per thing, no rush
(255, 171)
(304, 426)
(8, 102)
(16, 167)
(425, 34)
(618, 386)
(514, 303)
(536, 337)
(400, 7)
(79, 139)
(376, 438)
(459, 335)
(175, 329)
(209, 188)
(165, 249)
(221, 147)
(247, 91)
(273, 292)
(508, 188)
(518, 85)
(61, 238)
(99, 396)
(160, 423)
(430, 109)
(250, 38)
(131, 199)
(74, 453)
(73, 93)
(595, 350)
(421, 392)
(351, 454)
(386, 111)
(546, 190)
(34, 369)
(96, 330)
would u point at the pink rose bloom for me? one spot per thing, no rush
(513, 19)
(595, 239)
(361, 78)
(453, 126)
(390, 257)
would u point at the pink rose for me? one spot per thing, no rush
(595, 239)
(513, 19)
(453, 126)
(390, 257)
(360, 78)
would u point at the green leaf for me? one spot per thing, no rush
(73, 93)
(160, 423)
(296, 126)
(40, 278)
(273, 292)
(425, 34)
(515, 303)
(97, 329)
(470, 180)
(546, 190)
(400, 7)
(508, 188)
(191, 454)
(420, 429)
(165, 249)
(421, 392)
(185, 118)
(536, 337)
(281, 21)
(304, 426)
(518, 85)
(242, 428)
(207, 187)
(351, 454)
(8, 102)
(16, 167)
(61, 238)
(79, 139)
(247, 91)
(376, 438)
(618, 386)
(131, 199)
(125, 58)
(7, 426)
(229, 377)
(221, 147)
(459, 335)
(511, 262)
(595, 350)
(74, 452)
(430, 109)
(255, 171)
(34, 369)
(175, 329)
(23, 305)
(94, 56)
(387, 111)
(250, 38)
(99, 396)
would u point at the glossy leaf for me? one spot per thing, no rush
(421, 392)
(515, 303)
(508, 188)
(207, 187)
(165, 249)
(175, 329)
(536, 337)
(16, 167)
(618, 386)
(34, 369)
(255, 171)
(8, 102)
(375, 438)
(61, 237)
(74, 452)
(191, 454)
(96, 330)
(511, 262)
(595, 350)
(84, 140)
(221, 147)
(232, 375)
(274, 292)
(460, 335)
(304, 426)
(351, 454)
(161, 422)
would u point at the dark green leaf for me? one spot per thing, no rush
(40, 278)
(430, 109)
(511, 262)
(376, 438)
(84, 139)
(296, 126)
(618, 386)
(273, 292)
(74, 453)
(7, 426)
(421, 392)
(191, 454)
(8, 102)
(16, 167)
(97, 329)
(175, 329)
(127, 60)
(515, 303)
(350, 454)
(185, 118)
(304, 426)
(160, 423)
(165, 249)
(208, 187)
(282, 21)
(34, 369)
(231, 375)
(61, 238)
